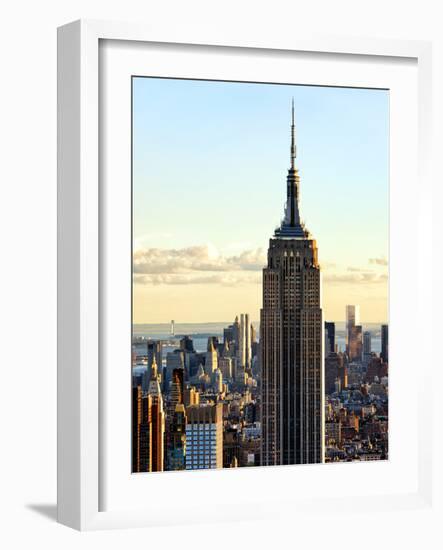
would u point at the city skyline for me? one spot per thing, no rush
(286, 393)
(198, 253)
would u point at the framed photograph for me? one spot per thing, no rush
(240, 224)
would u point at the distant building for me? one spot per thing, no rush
(191, 396)
(355, 347)
(354, 340)
(225, 365)
(244, 351)
(153, 349)
(217, 380)
(329, 337)
(187, 345)
(211, 360)
(385, 343)
(174, 360)
(204, 436)
(367, 346)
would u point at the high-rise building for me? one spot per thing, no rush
(329, 337)
(217, 380)
(225, 365)
(352, 319)
(367, 346)
(204, 436)
(385, 343)
(353, 334)
(174, 360)
(186, 344)
(191, 396)
(177, 439)
(211, 359)
(154, 349)
(291, 340)
(141, 430)
(157, 420)
(137, 420)
(355, 348)
(176, 392)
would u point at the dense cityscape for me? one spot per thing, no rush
(282, 392)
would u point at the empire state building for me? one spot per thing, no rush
(291, 336)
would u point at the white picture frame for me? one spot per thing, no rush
(80, 412)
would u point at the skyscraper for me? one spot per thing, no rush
(385, 343)
(329, 337)
(367, 346)
(211, 359)
(177, 439)
(291, 339)
(354, 333)
(244, 351)
(204, 436)
(157, 418)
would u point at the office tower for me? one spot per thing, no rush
(153, 349)
(253, 335)
(187, 345)
(141, 431)
(225, 365)
(385, 343)
(217, 380)
(176, 391)
(211, 359)
(355, 346)
(172, 327)
(174, 360)
(248, 351)
(204, 436)
(367, 346)
(157, 420)
(241, 351)
(136, 422)
(175, 398)
(177, 439)
(291, 340)
(352, 319)
(191, 396)
(228, 334)
(329, 337)
(367, 343)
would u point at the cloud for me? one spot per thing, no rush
(325, 266)
(195, 258)
(356, 277)
(378, 261)
(225, 279)
(196, 265)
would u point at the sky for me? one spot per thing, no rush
(210, 161)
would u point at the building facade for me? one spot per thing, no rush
(157, 421)
(385, 343)
(329, 337)
(204, 436)
(291, 340)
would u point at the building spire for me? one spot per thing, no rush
(293, 149)
(291, 225)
